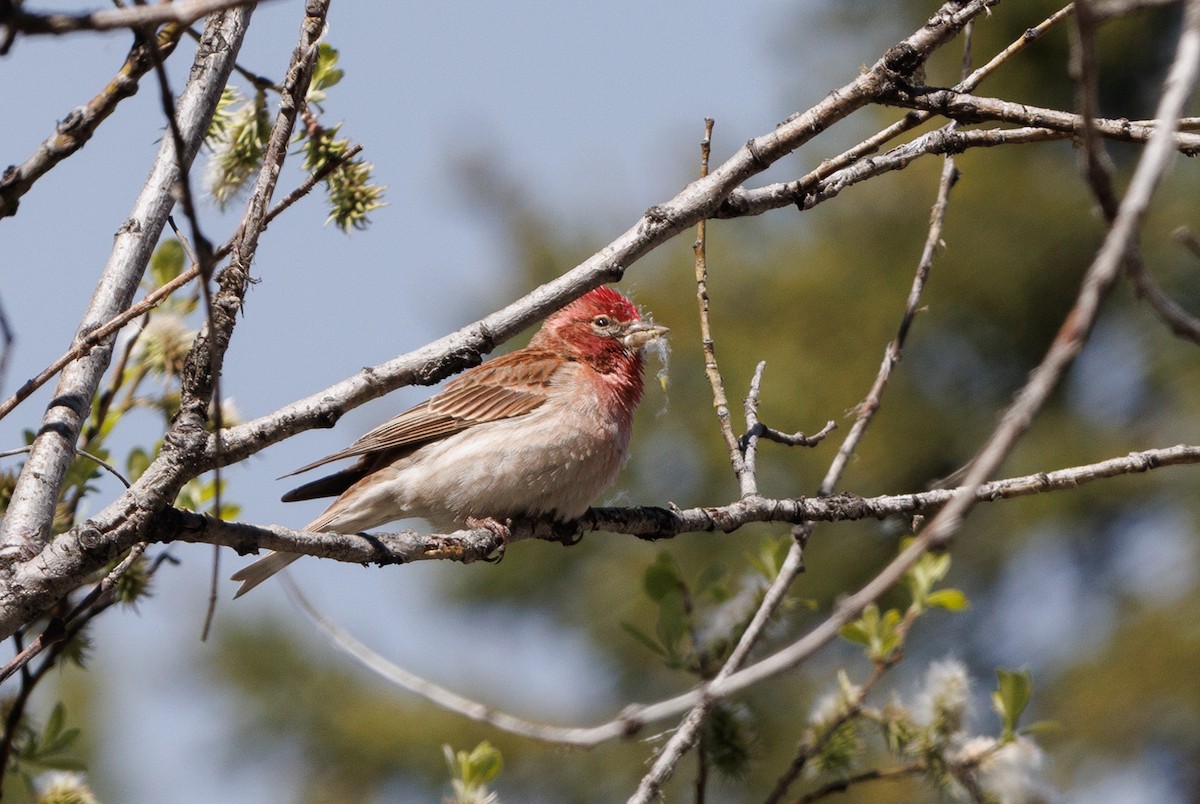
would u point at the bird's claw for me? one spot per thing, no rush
(498, 529)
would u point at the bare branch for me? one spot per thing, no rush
(156, 296)
(180, 12)
(73, 132)
(793, 564)
(910, 121)
(26, 525)
(711, 370)
(472, 545)
(650, 523)
(966, 108)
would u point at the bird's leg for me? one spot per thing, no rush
(494, 526)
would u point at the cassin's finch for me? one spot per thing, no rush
(540, 432)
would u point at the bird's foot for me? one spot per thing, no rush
(497, 528)
(568, 534)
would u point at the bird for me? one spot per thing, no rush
(539, 432)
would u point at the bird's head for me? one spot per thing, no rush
(602, 328)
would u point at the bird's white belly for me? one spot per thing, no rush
(555, 460)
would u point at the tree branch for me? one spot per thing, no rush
(180, 12)
(648, 523)
(25, 528)
(966, 108)
(74, 130)
(35, 584)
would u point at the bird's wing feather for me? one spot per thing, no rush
(511, 385)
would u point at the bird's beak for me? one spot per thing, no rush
(639, 334)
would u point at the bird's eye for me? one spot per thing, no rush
(601, 321)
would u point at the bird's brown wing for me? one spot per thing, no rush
(510, 385)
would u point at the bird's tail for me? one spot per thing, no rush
(254, 574)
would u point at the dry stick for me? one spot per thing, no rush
(1098, 169)
(942, 141)
(1180, 321)
(647, 523)
(711, 370)
(756, 430)
(842, 785)
(432, 692)
(93, 458)
(153, 298)
(746, 481)
(968, 108)
(6, 344)
(200, 390)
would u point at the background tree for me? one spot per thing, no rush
(1089, 588)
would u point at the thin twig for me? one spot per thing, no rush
(913, 119)
(155, 297)
(967, 108)
(815, 742)
(793, 564)
(435, 693)
(711, 369)
(913, 768)
(183, 12)
(57, 631)
(78, 125)
(7, 339)
(756, 430)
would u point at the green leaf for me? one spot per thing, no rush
(483, 764)
(856, 633)
(644, 638)
(708, 580)
(1011, 697)
(672, 622)
(137, 462)
(325, 73)
(662, 577)
(54, 724)
(948, 599)
(166, 262)
(770, 556)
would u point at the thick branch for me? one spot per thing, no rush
(35, 585)
(26, 526)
